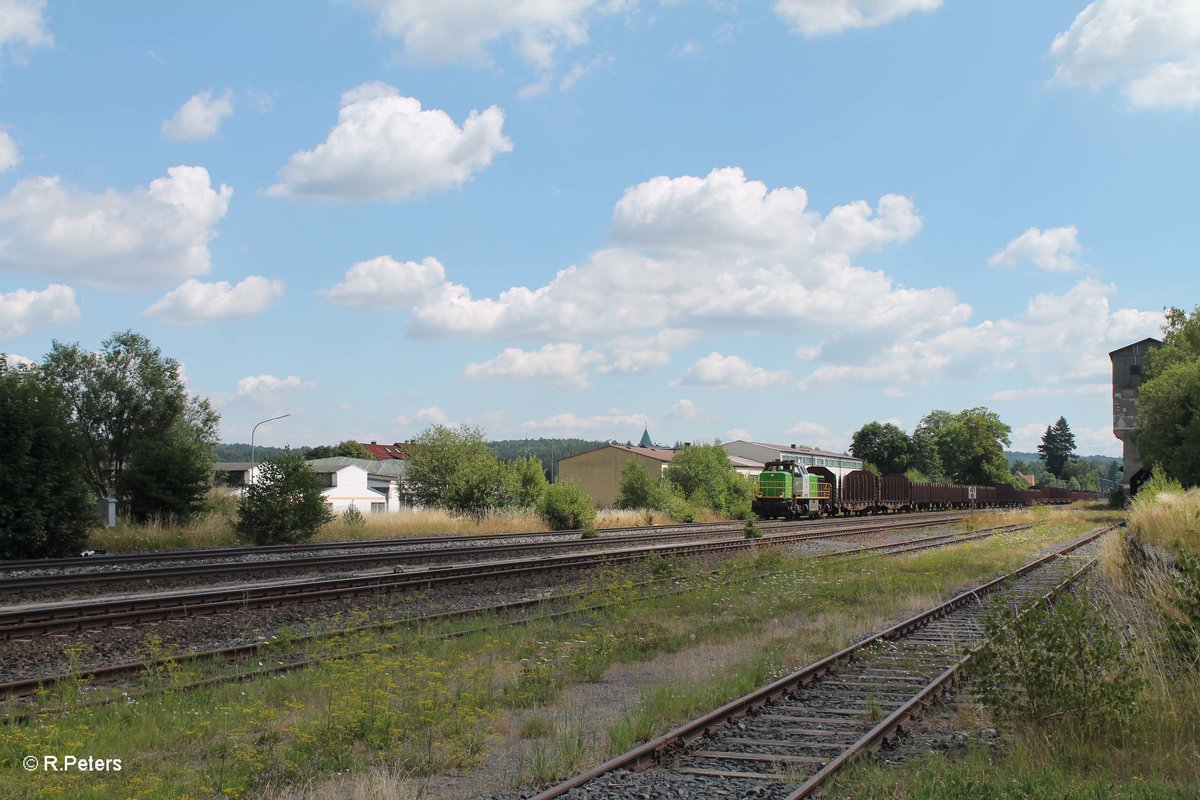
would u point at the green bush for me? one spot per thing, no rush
(753, 531)
(284, 505)
(529, 480)
(738, 497)
(480, 484)
(353, 518)
(679, 508)
(566, 506)
(1055, 664)
(637, 489)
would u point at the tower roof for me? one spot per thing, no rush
(645, 441)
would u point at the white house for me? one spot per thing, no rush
(369, 486)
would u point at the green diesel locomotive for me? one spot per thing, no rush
(788, 490)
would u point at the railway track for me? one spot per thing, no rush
(29, 687)
(785, 739)
(31, 620)
(21, 585)
(940, 540)
(119, 560)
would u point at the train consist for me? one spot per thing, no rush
(789, 490)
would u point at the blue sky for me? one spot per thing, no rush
(775, 221)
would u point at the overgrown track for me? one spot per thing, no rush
(403, 553)
(545, 605)
(785, 739)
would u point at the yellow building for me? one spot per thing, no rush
(599, 471)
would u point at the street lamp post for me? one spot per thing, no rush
(252, 431)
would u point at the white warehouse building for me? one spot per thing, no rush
(837, 463)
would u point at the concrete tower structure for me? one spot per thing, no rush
(1129, 369)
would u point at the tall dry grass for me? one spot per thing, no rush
(1166, 515)
(215, 527)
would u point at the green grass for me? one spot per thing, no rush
(976, 776)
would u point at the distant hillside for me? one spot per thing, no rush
(549, 451)
(241, 452)
(1029, 458)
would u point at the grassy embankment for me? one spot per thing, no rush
(1151, 748)
(416, 706)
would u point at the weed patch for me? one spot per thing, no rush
(1060, 664)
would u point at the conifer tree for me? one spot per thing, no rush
(1057, 447)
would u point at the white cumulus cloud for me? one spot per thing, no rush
(10, 154)
(814, 434)
(200, 117)
(688, 411)
(431, 415)
(152, 236)
(709, 253)
(632, 355)
(818, 17)
(615, 424)
(717, 371)
(384, 282)
(560, 364)
(1151, 48)
(1053, 249)
(1059, 338)
(23, 25)
(441, 31)
(386, 147)
(195, 302)
(267, 385)
(22, 311)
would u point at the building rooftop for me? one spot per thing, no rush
(388, 452)
(388, 469)
(791, 448)
(660, 453)
(1148, 342)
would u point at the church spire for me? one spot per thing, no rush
(645, 442)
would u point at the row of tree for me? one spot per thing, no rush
(88, 424)
(967, 448)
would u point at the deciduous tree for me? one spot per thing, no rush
(346, 449)
(970, 445)
(126, 400)
(1168, 423)
(436, 455)
(46, 504)
(1168, 434)
(884, 445)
